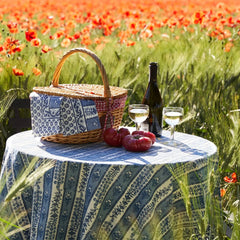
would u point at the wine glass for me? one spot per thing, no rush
(172, 116)
(138, 113)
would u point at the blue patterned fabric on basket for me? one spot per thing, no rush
(54, 115)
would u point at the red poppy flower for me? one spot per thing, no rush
(233, 178)
(59, 34)
(13, 27)
(52, 37)
(45, 49)
(131, 43)
(36, 42)
(198, 17)
(36, 71)
(86, 40)
(227, 179)
(228, 46)
(30, 34)
(65, 42)
(17, 72)
(17, 48)
(77, 35)
(222, 192)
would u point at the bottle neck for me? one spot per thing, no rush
(153, 72)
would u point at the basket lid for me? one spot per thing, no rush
(83, 91)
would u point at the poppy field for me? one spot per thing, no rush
(41, 27)
(196, 44)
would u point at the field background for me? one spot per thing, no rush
(195, 43)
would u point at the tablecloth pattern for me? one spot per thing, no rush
(98, 192)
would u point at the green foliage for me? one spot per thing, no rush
(6, 100)
(28, 176)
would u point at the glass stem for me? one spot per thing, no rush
(138, 125)
(172, 132)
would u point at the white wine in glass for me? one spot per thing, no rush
(138, 113)
(172, 116)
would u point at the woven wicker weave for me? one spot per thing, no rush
(109, 100)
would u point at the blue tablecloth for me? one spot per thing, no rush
(100, 192)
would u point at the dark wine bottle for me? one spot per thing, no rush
(153, 99)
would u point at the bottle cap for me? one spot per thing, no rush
(153, 64)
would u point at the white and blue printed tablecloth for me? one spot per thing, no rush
(99, 192)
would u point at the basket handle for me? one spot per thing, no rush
(55, 81)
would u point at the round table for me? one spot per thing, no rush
(95, 191)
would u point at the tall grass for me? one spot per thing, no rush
(25, 179)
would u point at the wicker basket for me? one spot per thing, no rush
(109, 100)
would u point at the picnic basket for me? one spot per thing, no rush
(109, 100)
